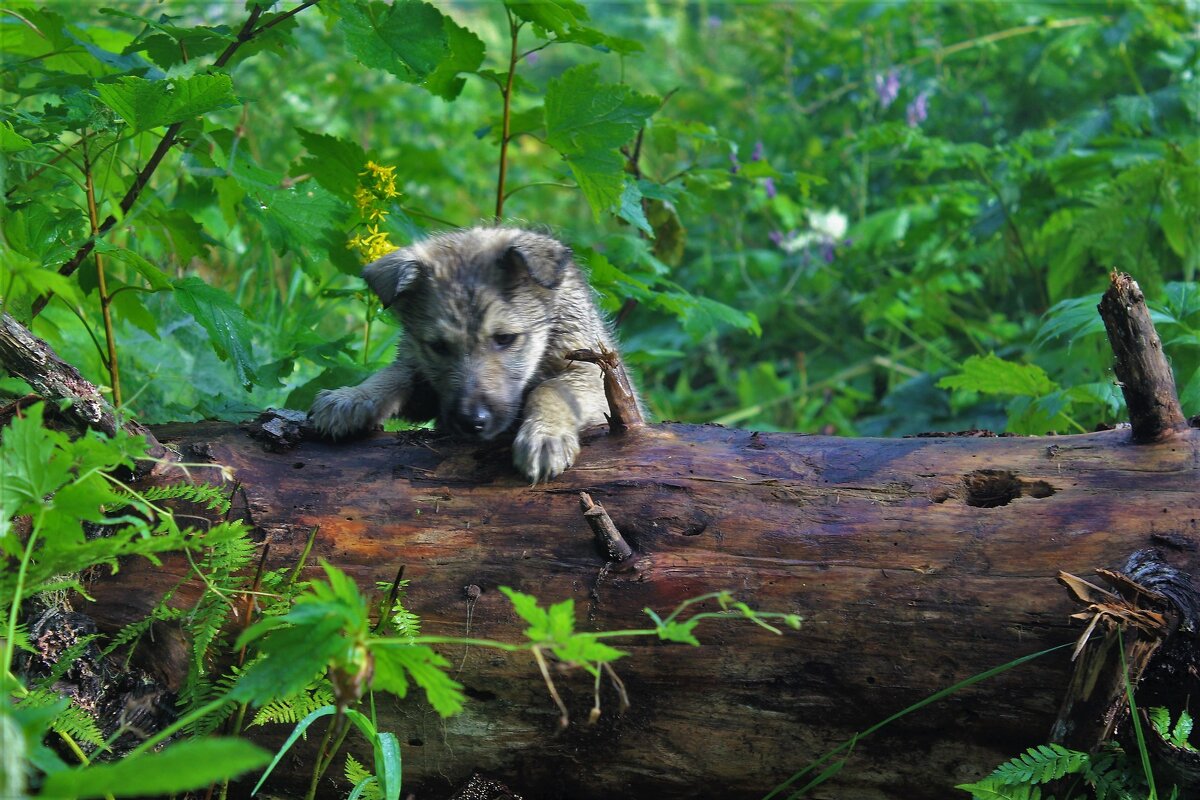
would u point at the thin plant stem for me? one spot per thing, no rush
(514, 29)
(114, 371)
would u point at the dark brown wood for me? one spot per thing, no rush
(1141, 367)
(916, 563)
(625, 411)
(29, 358)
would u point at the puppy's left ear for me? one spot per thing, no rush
(391, 275)
(544, 260)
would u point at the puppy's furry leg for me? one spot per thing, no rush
(351, 410)
(555, 411)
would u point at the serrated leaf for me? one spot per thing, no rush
(147, 104)
(993, 375)
(190, 764)
(154, 276)
(413, 41)
(466, 55)
(335, 163)
(396, 663)
(586, 122)
(11, 141)
(565, 19)
(631, 209)
(227, 326)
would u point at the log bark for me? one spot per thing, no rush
(916, 563)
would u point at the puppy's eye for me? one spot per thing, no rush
(503, 341)
(439, 347)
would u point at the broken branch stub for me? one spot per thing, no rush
(1141, 367)
(29, 358)
(624, 411)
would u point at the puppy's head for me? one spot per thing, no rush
(478, 310)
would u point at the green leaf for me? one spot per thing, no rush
(154, 276)
(335, 163)
(564, 19)
(466, 55)
(227, 327)
(993, 375)
(190, 764)
(292, 657)
(395, 663)
(11, 141)
(413, 41)
(631, 209)
(679, 632)
(526, 606)
(147, 104)
(586, 122)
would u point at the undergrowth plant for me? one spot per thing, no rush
(1108, 774)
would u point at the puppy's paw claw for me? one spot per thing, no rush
(543, 453)
(339, 413)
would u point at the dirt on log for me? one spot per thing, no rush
(916, 563)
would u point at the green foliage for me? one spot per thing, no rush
(186, 765)
(1109, 774)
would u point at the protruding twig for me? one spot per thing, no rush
(610, 540)
(624, 411)
(32, 360)
(1142, 369)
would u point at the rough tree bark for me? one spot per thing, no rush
(916, 563)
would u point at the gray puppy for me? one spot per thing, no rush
(489, 315)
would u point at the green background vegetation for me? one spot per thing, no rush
(861, 218)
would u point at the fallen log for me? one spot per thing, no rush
(916, 563)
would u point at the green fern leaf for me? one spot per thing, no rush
(1040, 764)
(993, 788)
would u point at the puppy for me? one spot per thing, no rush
(489, 315)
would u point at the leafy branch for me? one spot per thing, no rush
(249, 31)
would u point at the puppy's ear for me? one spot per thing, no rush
(543, 260)
(389, 276)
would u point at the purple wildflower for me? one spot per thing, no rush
(769, 185)
(757, 155)
(714, 22)
(533, 58)
(734, 164)
(887, 87)
(776, 238)
(918, 109)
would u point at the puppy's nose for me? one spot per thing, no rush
(476, 418)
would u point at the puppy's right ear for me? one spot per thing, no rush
(389, 276)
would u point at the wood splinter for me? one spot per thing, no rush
(610, 540)
(1141, 367)
(624, 411)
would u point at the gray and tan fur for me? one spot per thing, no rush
(489, 315)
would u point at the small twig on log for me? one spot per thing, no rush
(624, 410)
(610, 540)
(1142, 369)
(35, 362)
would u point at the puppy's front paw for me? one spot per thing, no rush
(338, 413)
(543, 451)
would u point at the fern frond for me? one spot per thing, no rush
(72, 721)
(993, 788)
(1046, 762)
(362, 779)
(211, 497)
(291, 710)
